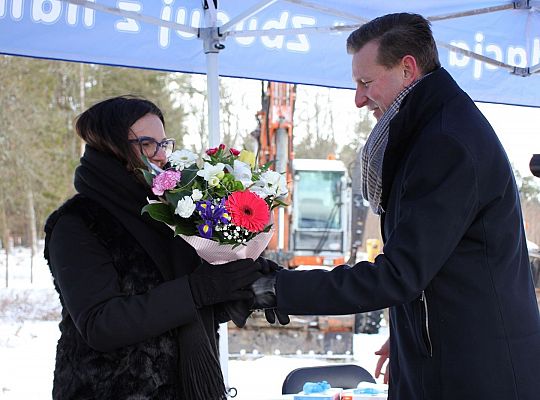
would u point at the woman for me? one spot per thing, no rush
(140, 309)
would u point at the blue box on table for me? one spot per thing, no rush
(328, 394)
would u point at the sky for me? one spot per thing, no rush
(518, 128)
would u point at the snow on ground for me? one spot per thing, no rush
(29, 314)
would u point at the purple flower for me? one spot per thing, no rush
(220, 213)
(206, 229)
(214, 213)
(204, 207)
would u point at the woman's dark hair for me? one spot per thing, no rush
(398, 35)
(105, 126)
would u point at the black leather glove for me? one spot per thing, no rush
(264, 290)
(239, 311)
(212, 284)
(272, 313)
(268, 266)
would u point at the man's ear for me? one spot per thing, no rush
(411, 71)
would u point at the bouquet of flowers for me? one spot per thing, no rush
(219, 203)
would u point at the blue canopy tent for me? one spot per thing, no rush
(491, 47)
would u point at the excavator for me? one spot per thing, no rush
(313, 231)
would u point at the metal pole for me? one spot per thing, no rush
(212, 46)
(212, 87)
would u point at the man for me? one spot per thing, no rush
(464, 323)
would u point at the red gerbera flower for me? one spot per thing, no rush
(248, 210)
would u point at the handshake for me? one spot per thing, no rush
(264, 298)
(238, 288)
(264, 290)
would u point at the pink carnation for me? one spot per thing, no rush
(167, 180)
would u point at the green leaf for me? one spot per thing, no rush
(146, 162)
(148, 177)
(184, 228)
(188, 174)
(160, 212)
(238, 187)
(278, 202)
(174, 196)
(267, 165)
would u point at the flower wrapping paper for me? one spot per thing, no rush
(217, 253)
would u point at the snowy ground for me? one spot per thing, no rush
(28, 334)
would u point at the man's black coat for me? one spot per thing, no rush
(464, 320)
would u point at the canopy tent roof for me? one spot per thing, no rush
(492, 48)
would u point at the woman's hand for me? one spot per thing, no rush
(212, 284)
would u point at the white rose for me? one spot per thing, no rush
(196, 195)
(185, 207)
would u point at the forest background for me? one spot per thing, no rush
(40, 100)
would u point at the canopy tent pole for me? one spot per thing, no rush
(212, 88)
(468, 13)
(246, 14)
(212, 46)
(214, 137)
(519, 71)
(327, 10)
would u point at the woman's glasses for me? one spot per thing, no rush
(150, 146)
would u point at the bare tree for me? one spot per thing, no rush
(38, 147)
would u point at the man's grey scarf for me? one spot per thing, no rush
(372, 154)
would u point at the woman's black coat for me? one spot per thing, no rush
(464, 320)
(106, 317)
(129, 326)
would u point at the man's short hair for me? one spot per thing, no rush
(398, 35)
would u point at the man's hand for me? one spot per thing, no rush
(384, 355)
(265, 292)
(271, 314)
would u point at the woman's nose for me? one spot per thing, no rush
(160, 156)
